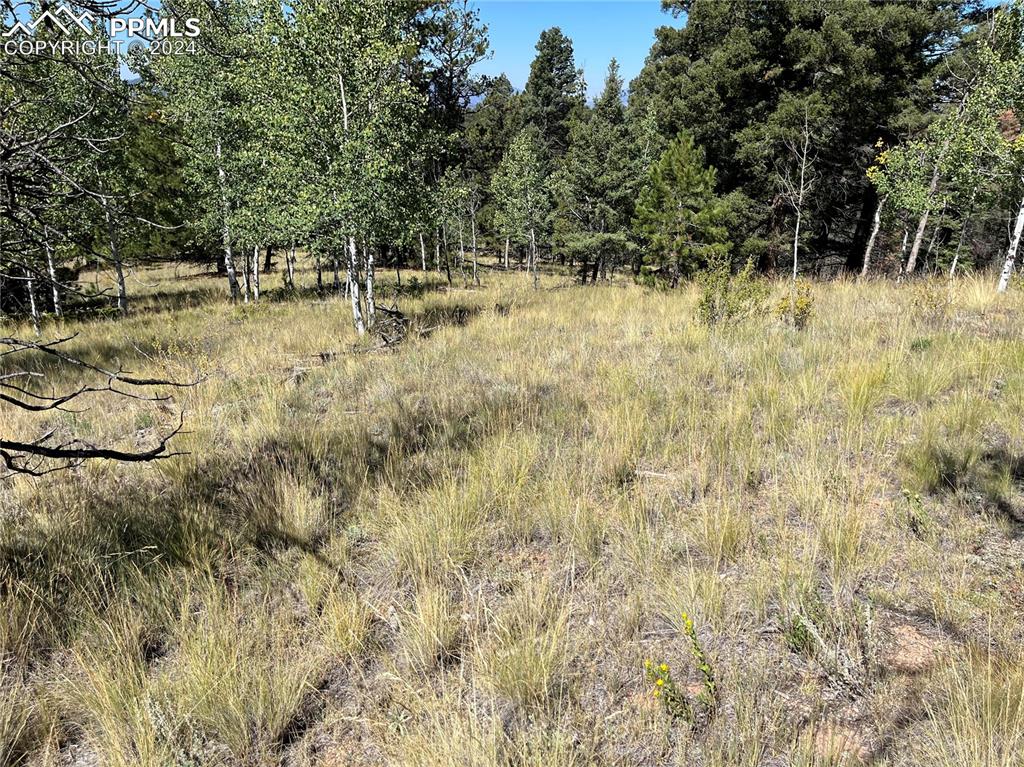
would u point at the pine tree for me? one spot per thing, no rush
(592, 185)
(679, 213)
(553, 91)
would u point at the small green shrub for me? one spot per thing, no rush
(932, 300)
(797, 306)
(727, 298)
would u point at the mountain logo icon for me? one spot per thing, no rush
(63, 18)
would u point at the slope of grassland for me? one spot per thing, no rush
(463, 551)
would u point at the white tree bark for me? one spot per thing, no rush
(371, 305)
(533, 257)
(52, 271)
(1011, 253)
(506, 253)
(923, 223)
(871, 240)
(290, 267)
(476, 273)
(229, 261)
(115, 256)
(256, 273)
(462, 253)
(353, 278)
(246, 278)
(423, 253)
(33, 308)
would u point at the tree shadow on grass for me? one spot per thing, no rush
(985, 474)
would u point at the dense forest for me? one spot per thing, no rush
(800, 137)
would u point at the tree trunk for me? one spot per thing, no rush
(423, 253)
(290, 268)
(923, 223)
(903, 247)
(353, 278)
(54, 285)
(796, 246)
(115, 256)
(476, 274)
(871, 240)
(447, 256)
(462, 254)
(268, 263)
(33, 308)
(506, 253)
(533, 257)
(319, 272)
(963, 234)
(1011, 253)
(246, 278)
(229, 261)
(437, 251)
(255, 273)
(371, 305)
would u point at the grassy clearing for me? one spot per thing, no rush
(462, 552)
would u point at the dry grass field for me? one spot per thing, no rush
(552, 528)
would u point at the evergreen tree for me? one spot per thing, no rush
(729, 74)
(592, 185)
(679, 213)
(553, 91)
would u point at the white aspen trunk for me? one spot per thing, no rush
(903, 249)
(319, 272)
(229, 261)
(963, 234)
(462, 254)
(533, 257)
(934, 238)
(447, 254)
(923, 223)
(246, 284)
(33, 308)
(115, 255)
(796, 244)
(371, 305)
(476, 273)
(353, 254)
(353, 278)
(337, 273)
(256, 273)
(1011, 253)
(423, 253)
(52, 271)
(506, 253)
(290, 267)
(437, 251)
(874, 234)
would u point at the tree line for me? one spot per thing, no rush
(792, 136)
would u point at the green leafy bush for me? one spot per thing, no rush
(727, 298)
(797, 306)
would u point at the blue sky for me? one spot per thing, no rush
(599, 29)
